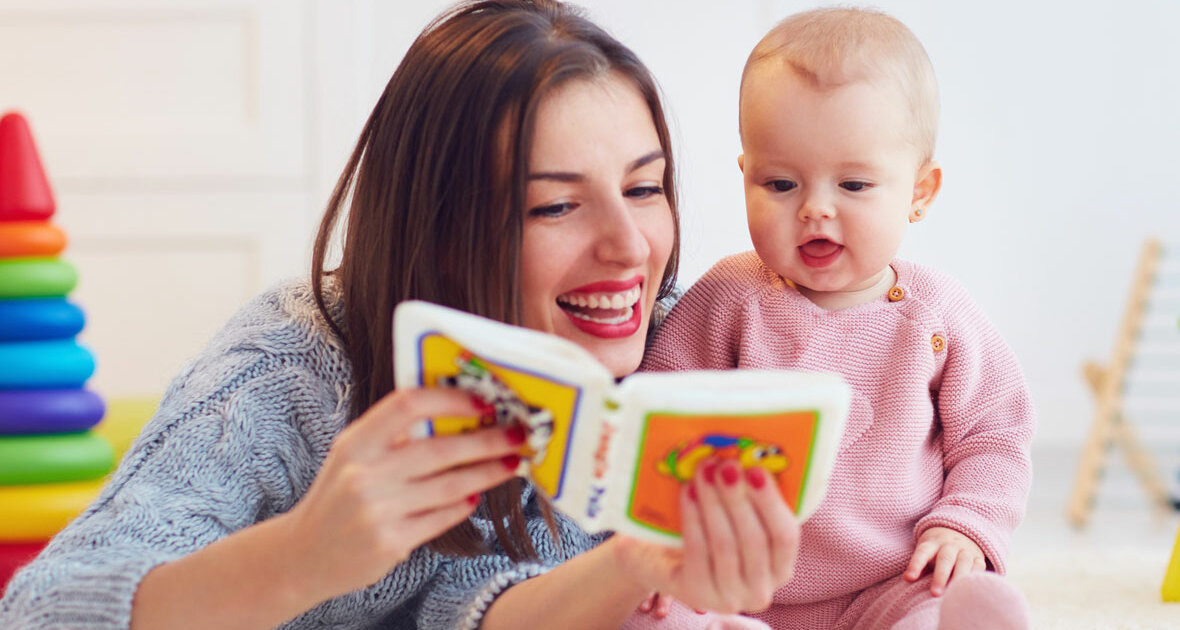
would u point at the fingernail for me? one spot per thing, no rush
(485, 408)
(698, 611)
(729, 474)
(510, 461)
(473, 499)
(709, 470)
(515, 435)
(692, 492)
(756, 477)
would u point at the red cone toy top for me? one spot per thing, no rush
(24, 190)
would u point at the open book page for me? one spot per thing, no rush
(614, 457)
(548, 385)
(787, 423)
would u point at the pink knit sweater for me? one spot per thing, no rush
(940, 423)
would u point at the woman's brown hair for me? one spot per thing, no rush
(435, 191)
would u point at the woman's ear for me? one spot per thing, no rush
(742, 162)
(926, 187)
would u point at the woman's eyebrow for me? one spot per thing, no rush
(569, 177)
(658, 154)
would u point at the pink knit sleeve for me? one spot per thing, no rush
(704, 329)
(987, 420)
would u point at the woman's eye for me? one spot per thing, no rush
(643, 192)
(854, 186)
(553, 210)
(783, 185)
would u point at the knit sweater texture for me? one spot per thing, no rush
(238, 438)
(940, 425)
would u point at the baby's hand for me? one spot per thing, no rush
(952, 554)
(656, 604)
(652, 612)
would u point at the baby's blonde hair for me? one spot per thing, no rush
(836, 46)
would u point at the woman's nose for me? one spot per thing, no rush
(620, 239)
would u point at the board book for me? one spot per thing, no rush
(612, 456)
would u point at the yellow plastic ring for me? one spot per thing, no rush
(38, 512)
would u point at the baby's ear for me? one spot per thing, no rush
(742, 162)
(926, 186)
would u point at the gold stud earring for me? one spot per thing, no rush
(916, 215)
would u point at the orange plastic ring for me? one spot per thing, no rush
(30, 238)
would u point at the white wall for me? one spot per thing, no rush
(1059, 143)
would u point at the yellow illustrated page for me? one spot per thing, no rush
(544, 406)
(672, 445)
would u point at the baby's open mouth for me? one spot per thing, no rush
(601, 307)
(820, 247)
(820, 252)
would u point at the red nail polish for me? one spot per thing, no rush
(515, 435)
(730, 474)
(510, 461)
(708, 472)
(756, 477)
(692, 492)
(483, 407)
(473, 499)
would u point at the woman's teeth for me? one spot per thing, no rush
(610, 308)
(601, 300)
(628, 313)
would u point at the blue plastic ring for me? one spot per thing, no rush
(60, 364)
(36, 411)
(39, 318)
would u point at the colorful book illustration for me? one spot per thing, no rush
(614, 456)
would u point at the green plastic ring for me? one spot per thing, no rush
(36, 277)
(38, 459)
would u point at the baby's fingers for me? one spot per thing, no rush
(967, 563)
(923, 554)
(943, 565)
(663, 605)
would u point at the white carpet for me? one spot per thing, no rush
(1107, 589)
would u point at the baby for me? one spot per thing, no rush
(838, 116)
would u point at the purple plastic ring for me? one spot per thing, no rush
(39, 411)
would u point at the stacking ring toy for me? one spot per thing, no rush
(39, 411)
(36, 277)
(59, 364)
(13, 556)
(36, 459)
(39, 318)
(33, 513)
(30, 238)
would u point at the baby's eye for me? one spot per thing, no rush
(553, 210)
(783, 185)
(643, 192)
(855, 186)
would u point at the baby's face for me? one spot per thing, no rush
(830, 177)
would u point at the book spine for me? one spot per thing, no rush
(599, 504)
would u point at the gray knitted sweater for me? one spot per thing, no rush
(238, 438)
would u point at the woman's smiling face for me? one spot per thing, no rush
(598, 229)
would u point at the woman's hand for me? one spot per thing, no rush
(740, 542)
(379, 495)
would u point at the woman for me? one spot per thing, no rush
(518, 155)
